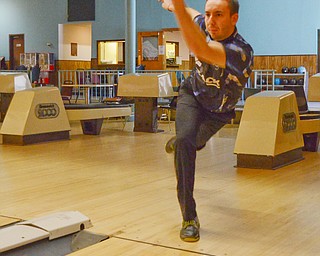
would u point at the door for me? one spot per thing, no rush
(16, 45)
(151, 50)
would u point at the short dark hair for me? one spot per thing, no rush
(233, 5)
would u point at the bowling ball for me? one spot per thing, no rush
(285, 70)
(277, 81)
(285, 81)
(293, 70)
(258, 80)
(300, 81)
(293, 81)
(302, 70)
(261, 80)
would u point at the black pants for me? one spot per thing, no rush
(194, 127)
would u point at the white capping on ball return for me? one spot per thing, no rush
(48, 227)
(145, 85)
(13, 82)
(146, 88)
(269, 133)
(35, 115)
(9, 84)
(314, 88)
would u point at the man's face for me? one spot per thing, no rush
(219, 22)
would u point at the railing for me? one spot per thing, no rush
(264, 78)
(107, 77)
(95, 77)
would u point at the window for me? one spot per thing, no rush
(150, 48)
(111, 52)
(172, 53)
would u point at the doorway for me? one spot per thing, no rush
(16, 46)
(151, 50)
(172, 54)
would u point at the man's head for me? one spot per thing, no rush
(233, 5)
(221, 17)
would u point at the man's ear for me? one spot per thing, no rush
(234, 18)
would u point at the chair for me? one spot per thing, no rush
(168, 108)
(172, 105)
(95, 78)
(81, 78)
(140, 67)
(66, 91)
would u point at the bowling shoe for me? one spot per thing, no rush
(170, 145)
(190, 230)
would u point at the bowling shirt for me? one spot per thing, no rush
(219, 89)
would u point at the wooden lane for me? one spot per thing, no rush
(125, 183)
(4, 221)
(126, 247)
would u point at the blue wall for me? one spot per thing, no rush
(37, 19)
(280, 27)
(273, 27)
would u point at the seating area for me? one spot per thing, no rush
(67, 92)
(88, 85)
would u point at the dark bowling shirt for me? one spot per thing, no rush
(219, 89)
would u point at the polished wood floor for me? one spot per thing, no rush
(125, 183)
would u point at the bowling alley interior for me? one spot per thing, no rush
(87, 93)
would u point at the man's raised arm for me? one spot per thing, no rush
(212, 53)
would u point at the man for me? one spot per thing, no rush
(208, 97)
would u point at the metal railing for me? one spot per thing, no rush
(264, 79)
(109, 78)
(80, 78)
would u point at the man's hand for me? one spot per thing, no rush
(167, 5)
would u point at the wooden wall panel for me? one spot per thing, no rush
(185, 65)
(275, 62)
(310, 62)
(8, 64)
(72, 65)
(261, 62)
(94, 65)
(279, 61)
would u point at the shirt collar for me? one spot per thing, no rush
(234, 33)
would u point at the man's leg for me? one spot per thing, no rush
(188, 119)
(207, 129)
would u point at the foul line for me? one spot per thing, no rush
(163, 246)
